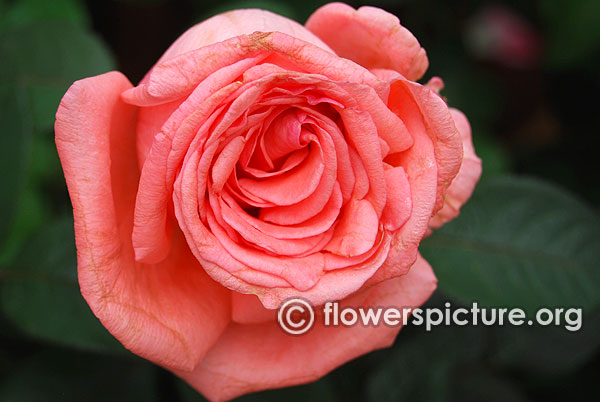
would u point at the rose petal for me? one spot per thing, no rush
(389, 127)
(342, 277)
(423, 111)
(279, 246)
(215, 260)
(398, 205)
(225, 163)
(336, 153)
(150, 122)
(421, 167)
(300, 272)
(238, 22)
(264, 275)
(293, 186)
(247, 309)
(150, 234)
(464, 183)
(139, 304)
(176, 77)
(356, 230)
(311, 227)
(362, 135)
(371, 37)
(243, 359)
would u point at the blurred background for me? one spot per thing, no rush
(526, 75)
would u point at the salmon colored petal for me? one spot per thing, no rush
(363, 136)
(425, 112)
(464, 183)
(284, 134)
(356, 230)
(385, 74)
(170, 313)
(278, 246)
(247, 309)
(227, 262)
(150, 122)
(389, 127)
(151, 237)
(226, 26)
(311, 227)
(361, 177)
(301, 272)
(343, 276)
(336, 154)
(293, 186)
(176, 77)
(399, 203)
(216, 261)
(150, 234)
(238, 22)
(371, 37)
(345, 175)
(270, 278)
(420, 165)
(225, 163)
(249, 358)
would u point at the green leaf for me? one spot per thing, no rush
(572, 34)
(479, 384)
(45, 58)
(519, 243)
(45, 166)
(466, 86)
(31, 213)
(421, 368)
(494, 158)
(40, 294)
(39, 63)
(15, 142)
(25, 12)
(61, 375)
(547, 351)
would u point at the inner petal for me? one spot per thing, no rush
(356, 231)
(291, 161)
(284, 134)
(311, 227)
(292, 186)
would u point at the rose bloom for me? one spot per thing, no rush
(260, 160)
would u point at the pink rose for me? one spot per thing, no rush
(256, 161)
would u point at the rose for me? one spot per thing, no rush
(261, 158)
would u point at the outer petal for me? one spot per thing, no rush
(238, 22)
(176, 77)
(423, 110)
(371, 37)
(399, 202)
(170, 313)
(431, 164)
(250, 358)
(463, 184)
(217, 29)
(247, 309)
